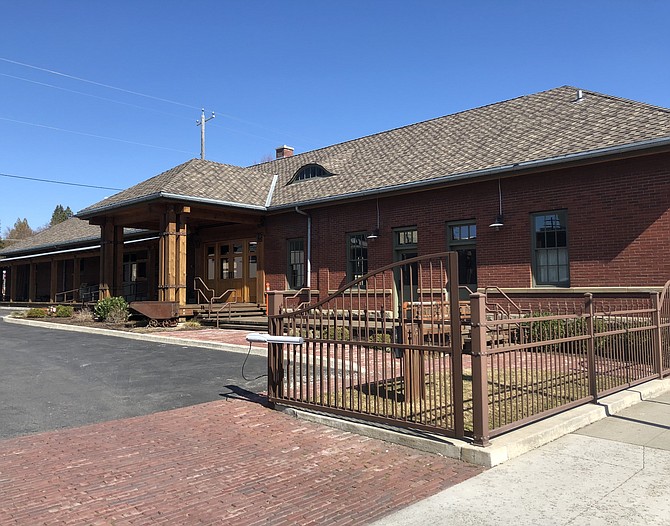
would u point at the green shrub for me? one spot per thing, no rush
(113, 310)
(37, 313)
(341, 333)
(64, 311)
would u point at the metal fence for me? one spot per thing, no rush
(396, 346)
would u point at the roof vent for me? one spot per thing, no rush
(580, 95)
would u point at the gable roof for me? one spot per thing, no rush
(543, 128)
(196, 180)
(550, 125)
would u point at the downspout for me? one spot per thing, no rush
(309, 247)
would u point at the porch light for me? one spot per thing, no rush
(498, 222)
(374, 234)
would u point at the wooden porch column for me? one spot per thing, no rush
(106, 259)
(76, 275)
(181, 253)
(117, 285)
(53, 284)
(12, 283)
(172, 256)
(32, 281)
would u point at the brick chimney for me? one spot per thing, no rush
(284, 151)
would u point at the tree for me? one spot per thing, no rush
(60, 214)
(20, 230)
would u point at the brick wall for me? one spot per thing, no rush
(617, 213)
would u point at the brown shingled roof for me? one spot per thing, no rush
(547, 125)
(71, 233)
(537, 127)
(196, 179)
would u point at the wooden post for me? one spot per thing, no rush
(162, 251)
(181, 255)
(12, 282)
(480, 393)
(76, 276)
(32, 281)
(106, 259)
(171, 255)
(117, 284)
(53, 284)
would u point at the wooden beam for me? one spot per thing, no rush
(53, 290)
(32, 281)
(181, 262)
(106, 259)
(118, 260)
(12, 282)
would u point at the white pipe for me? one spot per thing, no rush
(309, 247)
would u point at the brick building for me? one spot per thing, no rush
(561, 189)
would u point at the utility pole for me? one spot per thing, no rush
(201, 123)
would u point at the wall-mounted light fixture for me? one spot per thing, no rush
(375, 233)
(498, 222)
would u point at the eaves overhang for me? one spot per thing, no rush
(487, 173)
(87, 214)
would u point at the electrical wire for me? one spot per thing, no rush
(59, 182)
(245, 362)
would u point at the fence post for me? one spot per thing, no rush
(275, 299)
(657, 341)
(480, 393)
(591, 348)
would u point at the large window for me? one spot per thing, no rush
(462, 238)
(296, 263)
(357, 256)
(550, 248)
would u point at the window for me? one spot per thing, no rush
(296, 263)
(310, 171)
(462, 239)
(405, 246)
(357, 256)
(550, 249)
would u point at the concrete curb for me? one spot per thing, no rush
(505, 447)
(184, 342)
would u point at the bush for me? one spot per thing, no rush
(36, 313)
(113, 310)
(64, 311)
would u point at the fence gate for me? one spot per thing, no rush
(386, 347)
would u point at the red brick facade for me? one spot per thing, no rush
(617, 219)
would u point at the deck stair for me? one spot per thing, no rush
(244, 316)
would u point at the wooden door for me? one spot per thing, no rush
(232, 265)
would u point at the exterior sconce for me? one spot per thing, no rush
(499, 218)
(374, 234)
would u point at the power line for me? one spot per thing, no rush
(80, 79)
(59, 182)
(91, 95)
(94, 136)
(137, 93)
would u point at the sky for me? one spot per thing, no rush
(103, 95)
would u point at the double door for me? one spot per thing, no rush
(232, 265)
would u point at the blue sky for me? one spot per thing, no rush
(108, 93)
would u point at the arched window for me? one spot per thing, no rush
(310, 171)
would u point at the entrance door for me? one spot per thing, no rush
(232, 265)
(462, 238)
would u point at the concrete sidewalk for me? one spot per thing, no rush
(615, 472)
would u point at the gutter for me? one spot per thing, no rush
(498, 170)
(309, 247)
(70, 250)
(164, 195)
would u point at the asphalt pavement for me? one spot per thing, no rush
(53, 379)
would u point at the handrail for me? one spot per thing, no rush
(64, 294)
(199, 290)
(499, 291)
(300, 292)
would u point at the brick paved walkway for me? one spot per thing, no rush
(225, 462)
